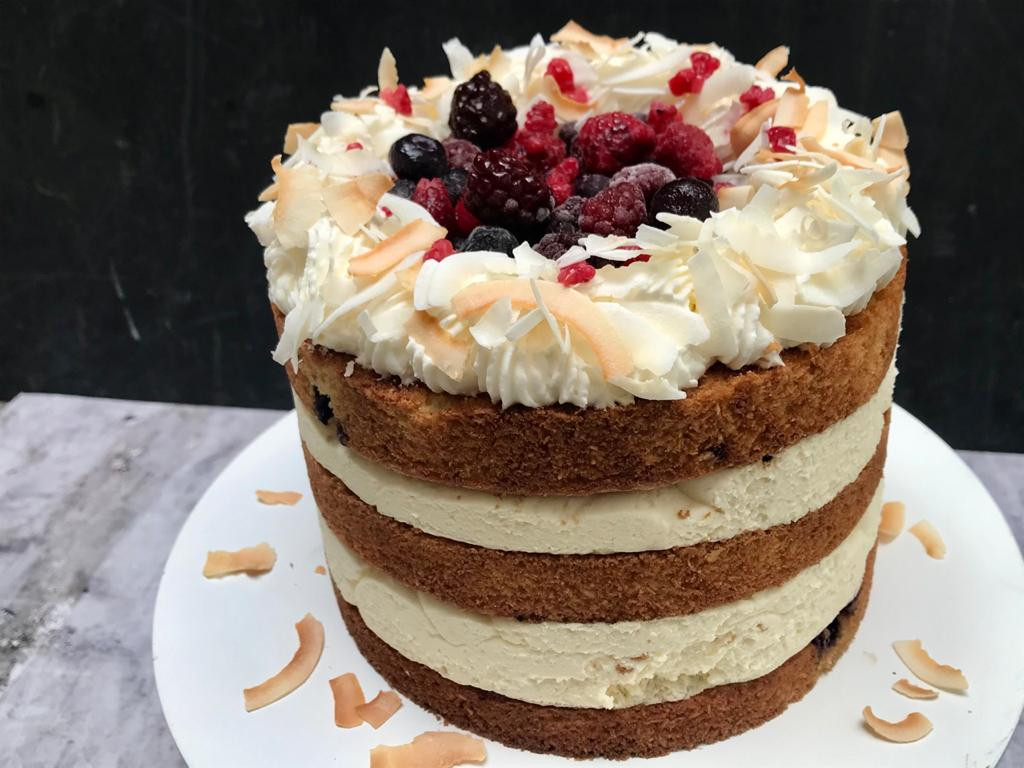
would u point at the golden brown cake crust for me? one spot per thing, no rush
(641, 731)
(592, 588)
(731, 418)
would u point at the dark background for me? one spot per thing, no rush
(135, 135)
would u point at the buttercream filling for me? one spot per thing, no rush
(794, 482)
(601, 665)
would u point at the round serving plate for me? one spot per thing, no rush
(212, 638)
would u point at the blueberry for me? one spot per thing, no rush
(455, 181)
(589, 184)
(416, 156)
(404, 188)
(684, 197)
(567, 133)
(322, 406)
(485, 238)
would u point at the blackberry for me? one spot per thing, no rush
(508, 191)
(618, 210)
(589, 184)
(404, 188)
(685, 197)
(455, 182)
(482, 112)
(486, 238)
(416, 156)
(566, 217)
(554, 244)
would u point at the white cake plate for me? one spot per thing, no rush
(212, 638)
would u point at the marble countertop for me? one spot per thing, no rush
(93, 494)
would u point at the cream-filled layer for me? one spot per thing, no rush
(797, 480)
(608, 666)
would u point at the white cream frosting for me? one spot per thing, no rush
(603, 665)
(798, 480)
(807, 242)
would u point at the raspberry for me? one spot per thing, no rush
(561, 178)
(508, 191)
(540, 118)
(482, 112)
(755, 96)
(432, 195)
(610, 141)
(353, 145)
(577, 273)
(687, 151)
(781, 138)
(561, 71)
(543, 150)
(650, 177)
(618, 210)
(491, 239)
(554, 244)
(566, 217)
(398, 99)
(704, 64)
(460, 152)
(691, 79)
(415, 156)
(465, 221)
(660, 115)
(589, 184)
(439, 251)
(684, 197)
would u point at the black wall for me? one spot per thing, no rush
(134, 135)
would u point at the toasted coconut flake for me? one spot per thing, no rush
(929, 536)
(747, 127)
(894, 515)
(816, 122)
(913, 727)
(387, 70)
(567, 109)
(380, 710)
(794, 77)
(287, 498)
(365, 106)
(434, 87)
(774, 61)
(445, 351)
(927, 669)
(299, 204)
(295, 130)
(258, 559)
(434, 749)
(295, 672)
(792, 110)
(348, 697)
(407, 277)
(417, 235)
(841, 156)
(320, 569)
(894, 159)
(911, 691)
(573, 35)
(567, 305)
(353, 203)
(269, 193)
(734, 197)
(894, 131)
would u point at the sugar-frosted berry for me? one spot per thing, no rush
(482, 112)
(618, 210)
(684, 197)
(415, 156)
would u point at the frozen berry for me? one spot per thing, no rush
(554, 244)
(540, 118)
(415, 156)
(755, 96)
(781, 138)
(684, 197)
(566, 217)
(577, 273)
(353, 145)
(460, 152)
(561, 178)
(482, 112)
(567, 133)
(439, 251)
(508, 191)
(432, 195)
(610, 141)
(691, 79)
(561, 71)
(403, 188)
(589, 184)
(704, 63)
(465, 221)
(661, 115)
(398, 99)
(496, 239)
(545, 150)
(687, 151)
(455, 182)
(618, 210)
(650, 177)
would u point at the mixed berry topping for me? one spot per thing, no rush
(455, 182)
(432, 195)
(574, 274)
(415, 156)
(439, 251)
(566, 217)
(485, 238)
(650, 177)
(398, 99)
(755, 96)
(660, 115)
(691, 79)
(612, 141)
(561, 70)
(687, 151)
(589, 184)
(482, 112)
(554, 244)
(460, 152)
(507, 190)
(781, 138)
(617, 210)
(562, 178)
(684, 197)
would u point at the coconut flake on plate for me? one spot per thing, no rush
(295, 672)
(913, 727)
(930, 539)
(434, 749)
(348, 696)
(906, 688)
(380, 709)
(250, 560)
(893, 518)
(928, 669)
(287, 498)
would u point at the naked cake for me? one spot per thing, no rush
(592, 350)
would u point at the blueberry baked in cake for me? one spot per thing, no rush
(592, 348)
